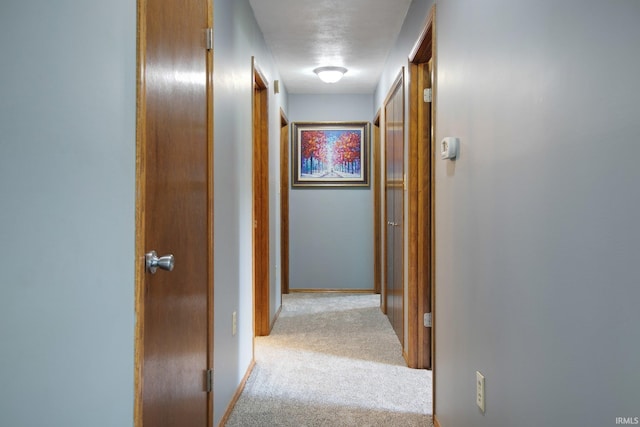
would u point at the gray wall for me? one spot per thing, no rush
(398, 57)
(67, 180)
(237, 39)
(537, 221)
(331, 230)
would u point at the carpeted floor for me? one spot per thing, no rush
(332, 360)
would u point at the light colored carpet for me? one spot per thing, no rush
(332, 360)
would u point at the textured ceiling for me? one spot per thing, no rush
(305, 34)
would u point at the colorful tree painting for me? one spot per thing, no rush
(330, 153)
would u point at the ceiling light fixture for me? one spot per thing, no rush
(330, 74)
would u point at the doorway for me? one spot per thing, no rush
(421, 196)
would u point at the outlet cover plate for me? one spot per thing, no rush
(480, 390)
(234, 323)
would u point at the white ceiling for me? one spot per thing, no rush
(305, 34)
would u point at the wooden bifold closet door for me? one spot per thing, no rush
(394, 206)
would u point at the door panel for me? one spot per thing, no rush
(377, 206)
(425, 217)
(389, 213)
(394, 200)
(261, 274)
(174, 213)
(420, 216)
(284, 204)
(398, 179)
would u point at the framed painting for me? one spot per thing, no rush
(330, 154)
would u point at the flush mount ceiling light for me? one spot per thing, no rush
(330, 74)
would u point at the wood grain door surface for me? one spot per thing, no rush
(175, 160)
(394, 199)
(284, 204)
(261, 273)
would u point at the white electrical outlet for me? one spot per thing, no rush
(234, 323)
(480, 390)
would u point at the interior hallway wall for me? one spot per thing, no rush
(331, 229)
(237, 38)
(537, 220)
(67, 212)
(67, 169)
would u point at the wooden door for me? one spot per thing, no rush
(398, 208)
(421, 254)
(389, 214)
(377, 206)
(425, 219)
(174, 214)
(394, 206)
(284, 203)
(261, 273)
(420, 228)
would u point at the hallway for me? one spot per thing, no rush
(332, 360)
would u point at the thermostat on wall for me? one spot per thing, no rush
(449, 148)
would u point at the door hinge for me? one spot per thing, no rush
(428, 95)
(209, 380)
(209, 36)
(427, 320)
